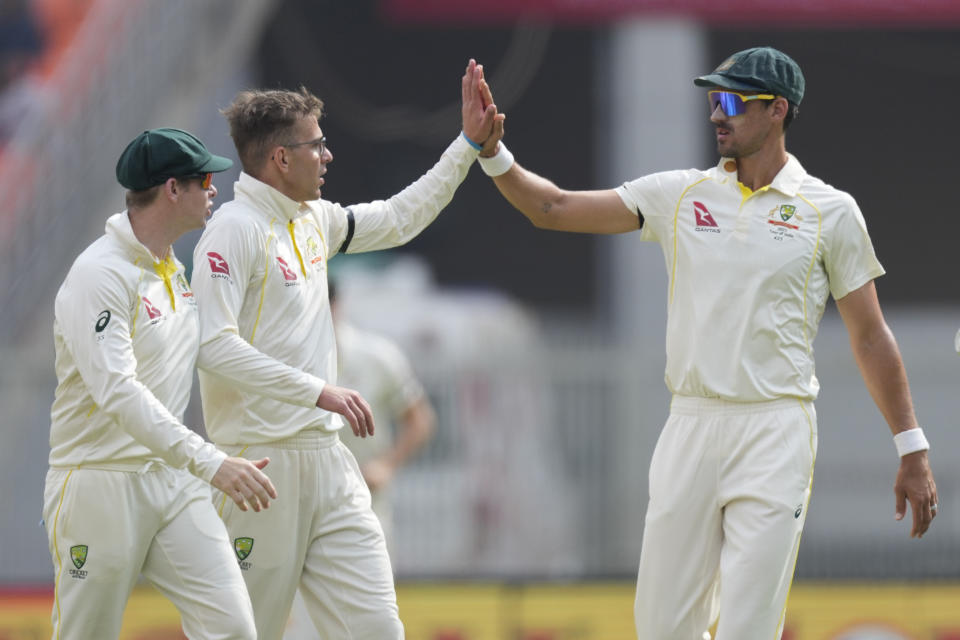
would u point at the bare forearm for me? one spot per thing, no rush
(534, 196)
(883, 372)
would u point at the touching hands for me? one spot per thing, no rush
(479, 111)
(351, 405)
(244, 482)
(915, 483)
(492, 144)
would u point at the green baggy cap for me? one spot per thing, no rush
(758, 69)
(157, 155)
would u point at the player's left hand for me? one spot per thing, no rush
(915, 483)
(478, 116)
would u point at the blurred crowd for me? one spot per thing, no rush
(34, 35)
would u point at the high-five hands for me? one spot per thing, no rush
(492, 144)
(479, 111)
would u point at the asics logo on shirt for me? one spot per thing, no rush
(102, 320)
(217, 263)
(288, 273)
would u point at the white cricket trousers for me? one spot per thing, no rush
(729, 488)
(106, 527)
(320, 534)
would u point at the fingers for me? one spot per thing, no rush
(467, 82)
(263, 481)
(491, 145)
(358, 414)
(901, 508)
(351, 405)
(486, 96)
(921, 518)
(362, 416)
(245, 484)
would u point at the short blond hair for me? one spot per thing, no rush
(262, 119)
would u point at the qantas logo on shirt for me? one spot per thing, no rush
(217, 263)
(705, 221)
(152, 311)
(288, 273)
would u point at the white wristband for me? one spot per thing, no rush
(498, 164)
(910, 441)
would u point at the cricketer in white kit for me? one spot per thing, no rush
(378, 368)
(268, 358)
(753, 248)
(128, 489)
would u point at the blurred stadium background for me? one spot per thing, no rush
(542, 352)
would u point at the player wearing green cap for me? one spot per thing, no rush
(753, 247)
(128, 489)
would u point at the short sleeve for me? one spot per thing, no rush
(849, 257)
(655, 197)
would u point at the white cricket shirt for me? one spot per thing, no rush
(126, 337)
(749, 274)
(260, 273)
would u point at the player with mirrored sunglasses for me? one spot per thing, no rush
(754, 247)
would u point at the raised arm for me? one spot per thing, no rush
(878, 358)
(545, 204)
(548, 206)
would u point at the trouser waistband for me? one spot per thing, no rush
(692, 406)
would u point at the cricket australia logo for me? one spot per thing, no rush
(313, 249)
(183, 287)
(243, 547)
(784, 220)
(78, 554)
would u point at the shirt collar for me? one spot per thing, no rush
(787, 181)
(119, 228)
(267, 199)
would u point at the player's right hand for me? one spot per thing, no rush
(477, 115)
(244, 482)
(351, 405)
(491, 146)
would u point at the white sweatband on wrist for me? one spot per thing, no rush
(498, 164)
(910, 441)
